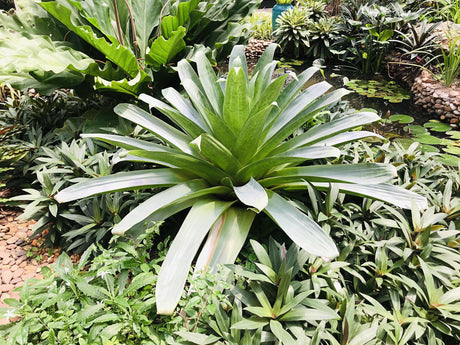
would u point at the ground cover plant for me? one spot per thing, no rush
(217, 165)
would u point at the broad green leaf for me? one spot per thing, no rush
(365, 335)
(252, 194)
(197, 338)
(209, 83)
(216, 152)
(251, 323)
(123, 141)
(236, 101)
(308, 314)
(166, 132)
(184, 107)
(131, 87)
(346, 137)
(237, 60)
(277, 329)
(323, 131)
(118, 54)
(299, 227)
(258, 169)
(369, 173)
(175, 268)
(385, 192)
(146, 16)
(164, 200)
(171, 158)
(123, 181)
(163, 51)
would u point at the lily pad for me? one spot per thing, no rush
(454, 134)
(401, 118)
(449, 160)
(379, 89)
(452, 150)
(427, 139)
(437, 126)
(430, 148)
(415, 130)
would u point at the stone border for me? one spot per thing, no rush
(436, 98)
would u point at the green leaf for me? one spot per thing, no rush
(216, 152)
(277, 329)
(175, 268)
(369, 173)
(163, 51)
(115, 52)
(165, 200)
(122, 181)
(252, 194)
(251, 323)
(236, 101)
(308, 314)
(139, 281)
(166, 132)
(210, 85)
(299, 227)
(225, 239)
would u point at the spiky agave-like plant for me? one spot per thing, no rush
(231, 156)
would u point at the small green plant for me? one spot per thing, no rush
(292, 33)
(262, 26)
(284, 2)
(450, 66)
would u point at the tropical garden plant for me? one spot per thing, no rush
(232, 157)
(114, 45)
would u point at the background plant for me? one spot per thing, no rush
(145, 37)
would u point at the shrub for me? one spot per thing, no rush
(232, 158)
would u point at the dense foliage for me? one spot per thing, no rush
(119, 46)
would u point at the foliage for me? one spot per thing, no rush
(390, 91)
(292, 32)
(324, 32)
(262, 26)
(231, 159)
(73, 226)
(135, 39)
(105, 300)
(449, 10)
(419, 42)
(450, 65)
(269, 305)
(317, 7)
(367, 32)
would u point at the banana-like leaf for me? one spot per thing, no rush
(326, 130)
(166, 200)
(131, 87)
(166, 132)
(252, 194)
(299, 227)
(114, 52)
(170, 23)
(225, 240)
(216, 152)
(259, 168)
(163, 51)
(369, 173)
(175, 268)
(123, 181)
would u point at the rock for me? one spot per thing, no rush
(6, 277)
(6, 287)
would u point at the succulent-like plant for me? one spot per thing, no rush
(230, 156)
(293, 31)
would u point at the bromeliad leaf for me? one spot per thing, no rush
(234, 147)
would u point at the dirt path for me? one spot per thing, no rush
(16, 265)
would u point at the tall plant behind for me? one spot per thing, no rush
(121, 45)
(234, 157)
